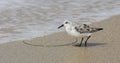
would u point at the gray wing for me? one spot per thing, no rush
(87, 29)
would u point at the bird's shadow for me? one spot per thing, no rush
(89, 44)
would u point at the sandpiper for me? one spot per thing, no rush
(83, 30)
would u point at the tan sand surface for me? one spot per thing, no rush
(103, 47)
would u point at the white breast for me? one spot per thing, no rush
(72, 31)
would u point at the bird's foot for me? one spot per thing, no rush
(78, 45)
(85, 45)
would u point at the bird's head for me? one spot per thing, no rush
(65, 23)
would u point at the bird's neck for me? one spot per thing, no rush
(68, 28)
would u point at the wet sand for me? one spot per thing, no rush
(103, 47)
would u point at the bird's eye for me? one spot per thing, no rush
(66, 22)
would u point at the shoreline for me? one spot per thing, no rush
(103, 47)
(47, 34)
(93, 23)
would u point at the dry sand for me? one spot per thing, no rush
(103, 47)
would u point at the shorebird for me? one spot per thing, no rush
(83, 30)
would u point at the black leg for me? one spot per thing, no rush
(81, 41)
(87, 40)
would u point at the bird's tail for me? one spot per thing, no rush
(98, 29)
(95, 29)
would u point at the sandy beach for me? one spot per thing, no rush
(103, 47)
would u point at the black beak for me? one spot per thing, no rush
(60, 26)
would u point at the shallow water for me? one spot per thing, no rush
(23, 19)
